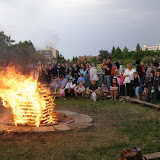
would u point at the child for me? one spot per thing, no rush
(62, 92)
(79, 90)
(69, 89)
(157, 86)
(81, 78)
(114, 89)
(93, 90)
(121, 83)
(61, 82)
(136, 84)
(103, 90)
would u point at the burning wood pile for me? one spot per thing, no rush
(31, 103)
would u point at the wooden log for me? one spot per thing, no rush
(142, 102)
(153, 156)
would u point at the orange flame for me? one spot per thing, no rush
(22, 95)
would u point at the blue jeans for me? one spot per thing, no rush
(107, 79)
(102, 80)
(87, 82)
(137, 90)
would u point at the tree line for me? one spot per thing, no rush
(20, 53)
(23, 52)
(125, 55)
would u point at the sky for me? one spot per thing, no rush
(82, 27)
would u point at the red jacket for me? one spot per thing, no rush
(113, 70)
(121, 79)
(143, 70)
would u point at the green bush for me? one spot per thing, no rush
(126, 61)
(149, 59)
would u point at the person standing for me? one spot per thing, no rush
(62, 70)
(129, 77)
(139, 68)
(67, 71)
(54, 72)
(42, 74)
(157, 86)
(121, 83)
(81, 78)
(75, 72)
(143, 72)
(84, 71)
(48, 74)
(113, 70)
(93, 73)
(136, 84)
(150, 68)
(102, 75)
(140, 74)
(155, 63)
(150, 87)
(87, 83)
(104, 63)
(107, 74)
(78, 65)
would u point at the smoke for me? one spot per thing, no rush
(33, 20)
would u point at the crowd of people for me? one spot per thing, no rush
(74, 80)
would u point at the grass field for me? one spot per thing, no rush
(117, 125)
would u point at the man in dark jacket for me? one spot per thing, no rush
(78, 65)
(75, 72)
(157, 86)
(150, 87)
(62, 70)
(48, 75)
(140, 74)
(155, 64)
(139, 68)
(107, 75)
(54, 71)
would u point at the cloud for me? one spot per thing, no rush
(77, 27)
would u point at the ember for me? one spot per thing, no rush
(31, 103)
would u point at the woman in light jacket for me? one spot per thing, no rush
(93, 73)
(129, 77)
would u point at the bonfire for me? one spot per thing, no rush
(31, 102)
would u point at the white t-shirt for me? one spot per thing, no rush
(70, 85)
(80, 88)
(130, 75)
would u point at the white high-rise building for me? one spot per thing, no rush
(153, 48)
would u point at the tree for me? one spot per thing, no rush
(74, 60)
(93, 60)
(5, 51)
(125, 52)
(85, 60)
(38, 57)
(60, 58)
(118, 54)
(113, 50)
(103, 54)
(5, 40)
(138, 47)
(25, 49)
(149, 59)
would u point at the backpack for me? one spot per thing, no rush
(132, 154)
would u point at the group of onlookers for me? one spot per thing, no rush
(75, 80)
